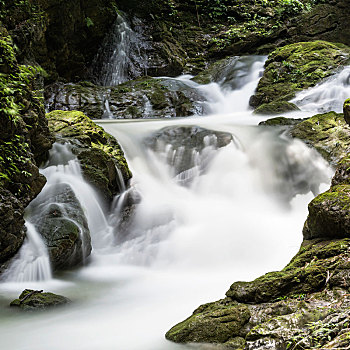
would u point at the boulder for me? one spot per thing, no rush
(346, 111)
(60, 220)
(296, 67)
(99, 153)
(180, 146)
(32, 300)
(327, 133)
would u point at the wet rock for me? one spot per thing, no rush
(32, 300)
(274, 108)
(188, 148)
(346, 111)
(327, 133)
(329, 214)
(101, 157)
(24, 144)
(60, 220)
(141, 98)
(281, 121)
(296, 67)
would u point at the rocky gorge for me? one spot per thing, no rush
(51, 58)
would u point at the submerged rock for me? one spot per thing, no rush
(31, 300)
(296, 67)
(187, 149)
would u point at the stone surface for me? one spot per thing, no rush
(327, 133)
(296, 67)
(32, 300)
(346, 111)
(24, 144)
(140, 98)
(99, 153)
(60, 220)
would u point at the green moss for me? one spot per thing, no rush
(327, 133)
(297, 67)
(217, 324)
(77, 126)
(278, 107)
(30, 300)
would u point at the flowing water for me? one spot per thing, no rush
(219, 200)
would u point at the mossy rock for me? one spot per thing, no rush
(97, 151)
(342, 172)
(31, 300)
(281, 121)
(278, 107)
(329, 214)
(327, 133)
(296, 67)
(346, 111)
(213, 323)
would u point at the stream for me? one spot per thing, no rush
(208, 215)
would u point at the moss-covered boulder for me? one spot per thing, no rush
(327, 133)
(296, 67)
(24, 144)
(59, 218)
(141, 98)
(211, 324)
(274, 108)
(31, 300)
(100, 155)
(329, 214)
(346, 111)
(281, 122)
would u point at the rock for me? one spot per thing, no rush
(281, 121)
(24, 144)
(99, 153)
(60, 220)
(208, 324)
(346, 111)
(276, 108)
(342, 172)
(307, 303)
(327, 133)
(329, 215)
(31, 300)
(140, 98)
(181, 146)
(296, 67)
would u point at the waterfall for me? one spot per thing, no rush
(121, 56)
(212, 200)
(326, 96)
(32, 262)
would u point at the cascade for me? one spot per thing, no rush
(327, 96)
(213, 199)
(32, 262)
(121, 56)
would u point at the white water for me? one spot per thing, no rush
(326, 96)
(186, 244)
(121, 57)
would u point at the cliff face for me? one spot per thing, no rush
(24, 144)
(61, 36)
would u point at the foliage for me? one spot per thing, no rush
(16, 83)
